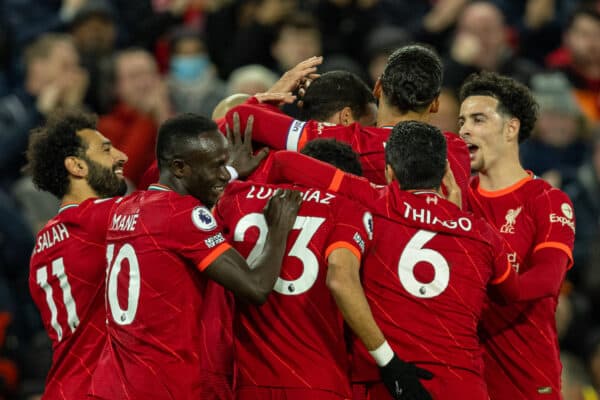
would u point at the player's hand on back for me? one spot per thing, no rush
(281, 210)
(242, 158)
(402, 380)
(453, 193)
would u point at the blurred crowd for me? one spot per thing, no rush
(136, 63)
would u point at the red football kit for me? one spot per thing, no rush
(158, 243)
(521, 350)
(295, 341)
(426, 277)
(279, 131)
(67, 280)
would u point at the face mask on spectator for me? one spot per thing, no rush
(189, 68)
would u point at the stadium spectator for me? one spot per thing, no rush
(520, 342)
(142, 105)
(69, 158)
(53, 80)
(558, 143)
(169, 230)
(193, 82)
(579, 58)
(480, 43)
(251, 79)
(94, 30)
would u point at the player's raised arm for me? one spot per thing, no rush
(255, 282)
(292, 167)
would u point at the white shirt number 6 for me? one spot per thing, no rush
(413, 254)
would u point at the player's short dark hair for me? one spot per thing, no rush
(417, 153)
(412, 78)
(514, 98)
(333, 91)
(338, 154)
(50, 144)
(178, 131)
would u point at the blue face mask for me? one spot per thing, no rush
(188, 68)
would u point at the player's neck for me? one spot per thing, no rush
(78, 193)
(173, 183)
(502, 175)
(390, 116)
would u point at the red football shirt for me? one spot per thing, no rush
(520, 342)
(425, 277)
(158, 243)
(66, 281)
(280, 131)
(295, 339)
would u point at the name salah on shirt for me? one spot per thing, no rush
(48, 238)
(261, 193)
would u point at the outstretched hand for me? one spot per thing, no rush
(242, 158)
(297, 76)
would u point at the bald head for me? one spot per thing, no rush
(227, 104)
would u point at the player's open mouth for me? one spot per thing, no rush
(118, 172)
(472, 149)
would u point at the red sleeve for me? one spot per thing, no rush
(460, 163)
(195, 234)
(353, 229)
(291, 167)
(546, 275)
(504, 281)
(270, 127)
(555, 223)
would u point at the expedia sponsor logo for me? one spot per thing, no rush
(554, 218)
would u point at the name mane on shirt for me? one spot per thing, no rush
(124, 222)
(314, 195)
(50, 237)
(423, 216)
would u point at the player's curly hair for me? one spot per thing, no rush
(336, 153)
(50, 144)
(412, 78)
(417, 152)
(514, 98)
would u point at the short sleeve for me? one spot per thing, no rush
(555, 221)
(195, 234)
(353, 229)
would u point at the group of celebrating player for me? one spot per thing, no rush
(305, 280)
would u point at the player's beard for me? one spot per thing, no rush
(105, 181)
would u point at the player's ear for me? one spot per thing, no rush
(346, 117)
(511, 131)
(178, 167)
(377, 89)
(76, 166)
(435, 105)
(390, 176)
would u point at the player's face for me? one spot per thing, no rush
(105, 164)
(482, 127)
(207, 175)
